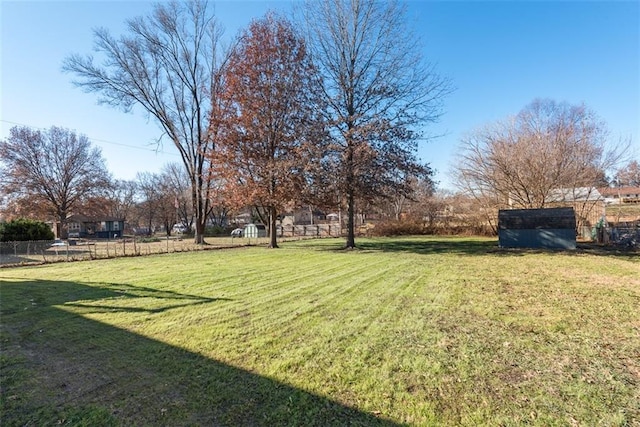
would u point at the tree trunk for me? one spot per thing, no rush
(60, 229)
(272, 228)
(199, 231)
(200, 210)
(351, 235)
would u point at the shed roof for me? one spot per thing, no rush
(530, 219)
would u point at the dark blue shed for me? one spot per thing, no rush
(537, 228)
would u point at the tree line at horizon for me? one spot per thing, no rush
(326, 111)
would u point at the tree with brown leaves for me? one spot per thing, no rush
(273, 92)
(55, 169)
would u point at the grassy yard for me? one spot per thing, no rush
(411, 331)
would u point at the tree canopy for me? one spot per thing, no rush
(56, 169)
(273, 95)
(380, 94)
(547, 146)
(628, 175)
(24, 229)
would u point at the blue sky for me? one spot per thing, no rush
(500, 56)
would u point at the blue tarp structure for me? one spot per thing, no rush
(553, 228)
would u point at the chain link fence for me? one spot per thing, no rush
(46, 251)
(35, 252)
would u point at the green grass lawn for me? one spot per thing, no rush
(411, 331)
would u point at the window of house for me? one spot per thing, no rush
(116, 225)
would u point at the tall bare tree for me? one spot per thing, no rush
(55, 169)
(547, 152)
(628, 175)
(176, 180)
(169, 63)
(156, 202)
(547, 146)
(380, 92)
(273, 89)
(122, 200)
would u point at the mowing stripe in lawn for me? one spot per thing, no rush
(422, 331)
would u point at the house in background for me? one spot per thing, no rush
(587, 203)
(304, 216)
(573, 195)
(620, 195)
(98, 227)
(242, 219)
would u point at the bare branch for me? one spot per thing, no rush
(379, 89)
(168, 64)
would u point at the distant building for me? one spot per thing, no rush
(587, 202)
(304, 216)
(620, 195)
(573, 195)
(98, 227)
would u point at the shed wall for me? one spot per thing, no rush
(538, 238)
(537, 228)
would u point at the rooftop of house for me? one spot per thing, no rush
(84, 218)
(620, 191)
(577, 194)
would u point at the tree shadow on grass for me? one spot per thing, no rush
(55, 363)
(431, 246)
(471, 246)
(608, 250)
(581, 249)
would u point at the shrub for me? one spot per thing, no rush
(23, 229)
(397, 228)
